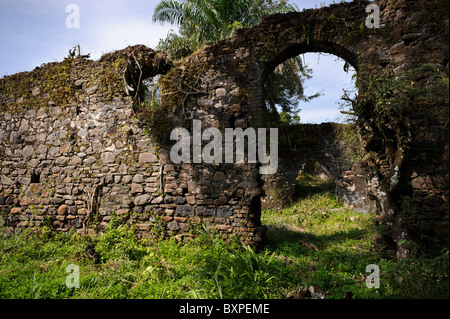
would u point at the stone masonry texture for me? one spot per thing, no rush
(77, 150)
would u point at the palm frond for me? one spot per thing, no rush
(169, 11)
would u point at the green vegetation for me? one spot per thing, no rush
(316, 242)
(306, 184)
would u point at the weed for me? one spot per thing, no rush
(316, 242)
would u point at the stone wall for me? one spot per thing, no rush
(77, 161)
(73, 164)
(70, 145)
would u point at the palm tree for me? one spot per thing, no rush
(205, 22)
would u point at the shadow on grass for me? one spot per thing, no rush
(279, 234)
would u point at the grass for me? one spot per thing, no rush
(316, 242)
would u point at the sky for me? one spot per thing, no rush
(33, 32)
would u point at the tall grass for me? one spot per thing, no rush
(316, 242)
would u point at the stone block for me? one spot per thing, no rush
(147, 158)
(138, 178)
(142, 200)
(62, 210)
(184, 211)
(221, 201)
(16, 210)
(158, 200)
(74, 160)
(136, 188)
(205, 211)
(173, 226)
(224, 212)
(190, 200)
(108, 157)
(7, 181)
(144, 226)
(184, 227)
(62, 161)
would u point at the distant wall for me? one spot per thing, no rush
(315, 149)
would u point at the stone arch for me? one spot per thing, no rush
(319, 46)
(225, 82)
(222, 85)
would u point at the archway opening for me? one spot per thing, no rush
(319, 191)
(318, 140)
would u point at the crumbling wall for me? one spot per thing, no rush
(71, 146)
(72, 160)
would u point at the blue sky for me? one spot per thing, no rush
(33, 32)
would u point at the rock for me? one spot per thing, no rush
(83, 133)
(6, 180)
(142, 200)
(158, 200)
(221, 201)
(397, 47)
(184, 211)
(126, 179)
(190, 200)
(136, 188)
(219, 177)
(123, 169)
(410, 37)
(235, 92)
(23, 126)
(184, 227)
(221, 92)
(147, 158)
(64, 148)
(33, 163)
(108, 157)
(415, 18)
(16, 210)
(241, 123)
(74, 161)
(61, 161)
(56, 201)
(35, 91)
(223, 212)
(143, 227)
(79, 84)
(62, 210)
(92, 89)
(180, 200)
(205, 102)
(204, 211)
(24, 180)
(16, 138)
(138, 178)
(422, 183)
(82, 211)
(173, 226)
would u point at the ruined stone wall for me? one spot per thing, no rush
(71, 146)
(77, 160)
(222, 85)
(73, 162)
